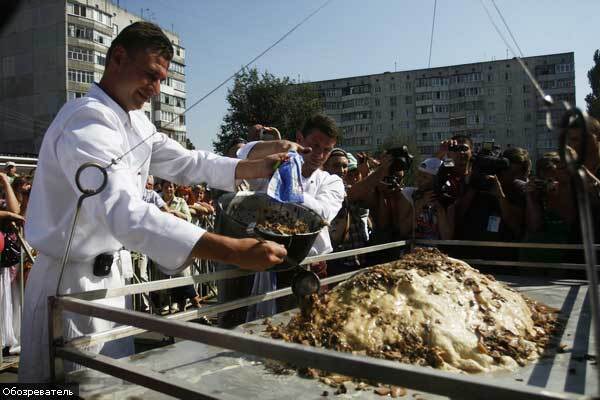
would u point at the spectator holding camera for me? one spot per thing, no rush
(380, 192)
(483, 211)
(551, 213)
(423, 215)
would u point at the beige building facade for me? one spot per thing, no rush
(488, 101)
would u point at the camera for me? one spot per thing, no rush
(458, 148)
(487, 162)
(443, 184)
(402, 159)
(545, 185)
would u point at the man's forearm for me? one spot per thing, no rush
(215, 247)
(266, 148)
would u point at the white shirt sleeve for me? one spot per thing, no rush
(328, 199)
(245, 150)
(93, 136)
(171, 161)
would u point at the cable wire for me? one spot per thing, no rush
(507, 27)
(431, 39)
(116, 160)
(546, 98)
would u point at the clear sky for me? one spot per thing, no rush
(358, 37)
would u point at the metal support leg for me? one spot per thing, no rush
(55, 339)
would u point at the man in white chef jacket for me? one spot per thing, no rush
(324, 193)
(100, 127)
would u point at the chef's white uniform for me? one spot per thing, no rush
(95, 128)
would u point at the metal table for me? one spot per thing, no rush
(229, 374)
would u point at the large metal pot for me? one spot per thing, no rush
(238, 213)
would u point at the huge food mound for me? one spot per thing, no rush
(426, 309)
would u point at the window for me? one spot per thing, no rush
(392, 87)
(563, 68)
(176, 67)
(393, 102)
(74, 95)
(80, 32)
(80, 54)
(509, 90)
(564, 83)
(178, 85)
(526, 88)
(182, 120)
(100, 58)
(102, 38)
(79, 76)
(377, 114)
(506, 76)
(391, 115)
(408, 100)
(526, 103)
(377, 102)
(377, 89)
(491, 105)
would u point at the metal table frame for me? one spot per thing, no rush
(384, 371)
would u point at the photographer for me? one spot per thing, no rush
(423, 215)
(551, 213)
(514, 181)
(484, 211)
(380, 192)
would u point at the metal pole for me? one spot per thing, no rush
(21, 282)
(587, 232)
(55, 339)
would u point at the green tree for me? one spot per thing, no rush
(593, 99)
(268, 100)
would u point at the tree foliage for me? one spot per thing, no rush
(268, 100)
(593, 99)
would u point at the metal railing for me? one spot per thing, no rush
(418, 378)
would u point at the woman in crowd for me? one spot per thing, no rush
(10, 298)
(179, 208)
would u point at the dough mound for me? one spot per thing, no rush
(426, 309)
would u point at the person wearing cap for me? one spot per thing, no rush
(11, 171)
(354, 174)
(423, 215)
(349, 228)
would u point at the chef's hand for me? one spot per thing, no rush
(263, 167)
(250, 254)
(255, 255)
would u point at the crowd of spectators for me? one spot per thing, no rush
(461, 192)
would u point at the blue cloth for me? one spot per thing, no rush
(286, 183)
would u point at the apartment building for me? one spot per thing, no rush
(52, 51)
(489, 101)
